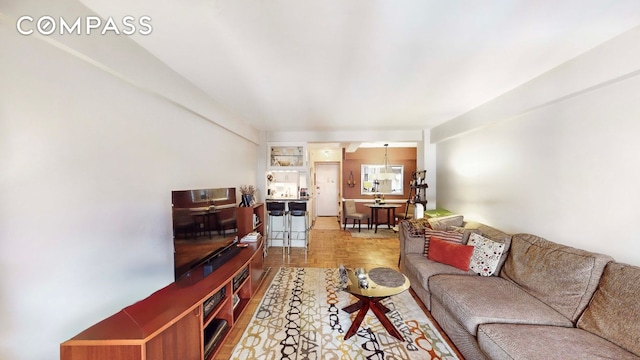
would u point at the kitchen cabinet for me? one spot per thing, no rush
(287, 156)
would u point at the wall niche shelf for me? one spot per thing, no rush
(287, 156)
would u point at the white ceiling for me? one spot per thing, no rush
(345, 65)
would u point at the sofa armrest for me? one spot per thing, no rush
(409, 243)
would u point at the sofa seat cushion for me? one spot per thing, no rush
(424, 269)
(563, 277)
(476, 300)
(614, 311)
(419, 269)
(511, 341)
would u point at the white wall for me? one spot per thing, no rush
(88, 163)
(565, 168)
(427, 161)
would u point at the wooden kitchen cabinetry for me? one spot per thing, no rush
(178, 321)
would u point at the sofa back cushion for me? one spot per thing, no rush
(563, 277)
(614, 311)
(442, 223)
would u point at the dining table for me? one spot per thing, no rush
(391, 213)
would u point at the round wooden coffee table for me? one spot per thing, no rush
(381, 283)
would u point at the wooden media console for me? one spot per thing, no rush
(184, 320)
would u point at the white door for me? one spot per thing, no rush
(327, 188)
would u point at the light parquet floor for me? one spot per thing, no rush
(327, 248)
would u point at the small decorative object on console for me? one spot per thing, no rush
(344, 278)
(362, 278)
(248, 195)
(250, 237)
(363, 283)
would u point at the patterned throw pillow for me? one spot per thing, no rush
(416, 227)
(486, 254)
(450, 236)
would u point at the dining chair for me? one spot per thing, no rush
(351, 213)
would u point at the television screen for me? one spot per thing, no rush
(204, 221)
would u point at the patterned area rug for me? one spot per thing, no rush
(371, 234)
(300, 317)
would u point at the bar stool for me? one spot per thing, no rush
(277, 209)
(299, 210)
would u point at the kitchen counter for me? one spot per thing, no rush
(298, 226)
(306, 198)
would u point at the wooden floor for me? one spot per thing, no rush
(327, 248)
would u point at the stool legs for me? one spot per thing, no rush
(286, 243)
(291, 229)
(305, 230)
(273, 234)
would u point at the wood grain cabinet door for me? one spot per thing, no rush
(182, 340)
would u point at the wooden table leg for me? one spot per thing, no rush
(358, 320)
(392, 218)
(379, 310)
(353, 307)
(374, 211)
(389, 218)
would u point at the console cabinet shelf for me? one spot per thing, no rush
(171, 323)
(249, 219)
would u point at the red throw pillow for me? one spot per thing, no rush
(446, 252)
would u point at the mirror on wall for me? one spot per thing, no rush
(378, 180)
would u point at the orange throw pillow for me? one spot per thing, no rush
(447, 252)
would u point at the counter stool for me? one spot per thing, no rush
(277, 209)
(299, 210)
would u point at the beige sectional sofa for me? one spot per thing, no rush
(544, 301)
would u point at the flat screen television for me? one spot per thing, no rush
(204, 223)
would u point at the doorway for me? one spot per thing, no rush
(327, 189)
